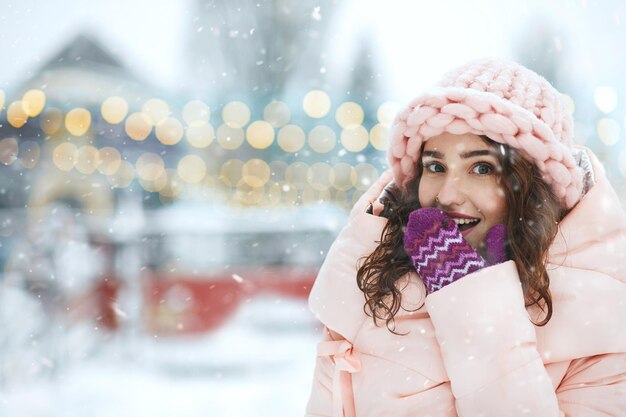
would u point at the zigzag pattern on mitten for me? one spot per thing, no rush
(441, 256)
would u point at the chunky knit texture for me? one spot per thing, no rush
(503, 100)
(439, 252)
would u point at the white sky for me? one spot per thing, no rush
(420, 43)
(147, 36)
(416, 40)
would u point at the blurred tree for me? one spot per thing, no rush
(245, 49)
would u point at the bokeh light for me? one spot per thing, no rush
(156, 110)
(366, 174)
(236, 114)
(87, 159)
(16, 114)
(149, 166)
(78, 121)
(273, 193)
(387, 112)
(379, 137)
(213, 188)
(8, 151)
(570, 106)
(51, 120)
(608, 131)
(2, 99)
(211, 181)
(291, 138)
(318, 176)
(307, 195)
(355, 197)
(289, 194)
(247, 194)
(260, 134)
(29, 154)
(154, 186)
(322, 139)
(200, 135)
(349, 115)
(191, 169)
(277, 170)
(277, 114)
(109, 160)
(231, 172)
(138, 126)
(341, 198)
(323, 196)
(196, 113)
(64, 156)
(230, 137)
(169, 131)
(174, 184)
(256, 172)
(343, 177)
(297, 175)
(123, 177)
(114, 110)
(33, 102)
(605, 98)
(354, 139)
(316, 104)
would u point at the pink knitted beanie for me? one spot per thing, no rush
(503, 100)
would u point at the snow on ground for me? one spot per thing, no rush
(260, 364)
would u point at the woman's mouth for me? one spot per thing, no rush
(466, 225)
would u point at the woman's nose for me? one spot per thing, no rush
(451, 193)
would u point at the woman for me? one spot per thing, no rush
(488, 279)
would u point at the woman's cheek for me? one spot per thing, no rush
(495, 202)
(490, 205)
(425, 194)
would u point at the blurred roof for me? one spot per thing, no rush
(184, 218)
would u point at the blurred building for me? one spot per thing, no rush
(92, 160)
(274, 117)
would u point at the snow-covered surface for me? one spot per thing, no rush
(259, 364)
(185, 218)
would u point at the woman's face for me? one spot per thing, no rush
(461, 177)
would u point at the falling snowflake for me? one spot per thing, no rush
(315, 14)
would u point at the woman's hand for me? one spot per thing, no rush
(439, 253)
(389, 193)
(372, 193)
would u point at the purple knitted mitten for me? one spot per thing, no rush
(496, 245)
(439, 253)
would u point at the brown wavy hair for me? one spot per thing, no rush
(532, 224)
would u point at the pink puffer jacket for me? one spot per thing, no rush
(472, 349)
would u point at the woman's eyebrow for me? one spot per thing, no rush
(464, 155)
(433, 154)
(483, 152)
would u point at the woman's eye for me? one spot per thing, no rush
(434, 167)
(482, 169)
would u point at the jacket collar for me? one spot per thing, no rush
(596, 217)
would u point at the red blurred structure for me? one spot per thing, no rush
(198, 304)
(191, 269)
